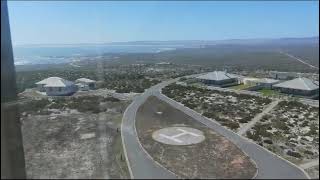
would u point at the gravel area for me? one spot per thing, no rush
(60, 142)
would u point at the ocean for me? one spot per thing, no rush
(51, 54)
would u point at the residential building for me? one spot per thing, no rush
(298, 86)
(250, 81)
(267, 83)
(56, 86)
(283, 75)
(85, 84)
(218, 78)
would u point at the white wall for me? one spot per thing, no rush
(60, 91)
(41, 88)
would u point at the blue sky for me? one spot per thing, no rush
(59, 22)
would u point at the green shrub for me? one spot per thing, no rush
(281, 125)
(308, 152)
(209, 114)
(294, 154)
(232, 125)
(111, 99)
(254, 136)
(244, 120)
(33, 106)
(268, 141)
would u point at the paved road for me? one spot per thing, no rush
(258, 117)
(310, 164)
(142, 167)
(269, 165)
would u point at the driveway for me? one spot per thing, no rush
(140, 164)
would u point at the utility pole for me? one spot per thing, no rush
(12, 154)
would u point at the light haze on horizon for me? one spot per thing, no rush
(72, 22)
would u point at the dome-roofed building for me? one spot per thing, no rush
(218, 78)
(85, 84)
(298, 86)
(56, 86)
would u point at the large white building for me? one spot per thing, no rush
(218, 78)
(56, 86)
(298, 86)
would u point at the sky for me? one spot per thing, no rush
(72, 22)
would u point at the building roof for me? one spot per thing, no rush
(55, 82)
(85, 80)
(217, 76)
(80, 84)
(298, 83)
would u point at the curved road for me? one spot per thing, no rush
(141, 166)
(270, 166)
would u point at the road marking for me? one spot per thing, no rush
(187, 132)
(174, 137)
(171, 138)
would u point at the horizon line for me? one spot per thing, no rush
(135, 41)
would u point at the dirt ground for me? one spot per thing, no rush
(215, 157)
(313, 172)
(66, 143)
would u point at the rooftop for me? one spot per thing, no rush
(217, 76)
(85, 80)
(55, 82)
(298, 83)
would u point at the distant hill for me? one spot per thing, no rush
(248, 54)
(306, 40)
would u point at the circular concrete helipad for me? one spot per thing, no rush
(178, 136)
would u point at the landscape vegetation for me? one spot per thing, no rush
(84, 122)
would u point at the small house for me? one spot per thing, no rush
(56, 86)
(85, 84)
(250, 81)
(266, 82)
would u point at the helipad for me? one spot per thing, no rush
(178, 136)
